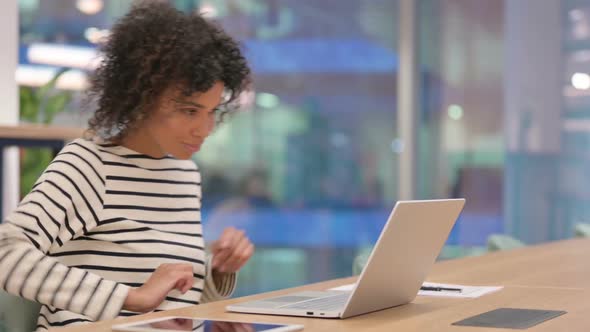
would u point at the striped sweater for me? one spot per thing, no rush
(98, 221)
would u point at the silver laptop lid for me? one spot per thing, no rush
(403, 255)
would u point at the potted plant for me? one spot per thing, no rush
(39, 105)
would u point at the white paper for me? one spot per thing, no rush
(466, 291)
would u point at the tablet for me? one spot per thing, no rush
(169, 324)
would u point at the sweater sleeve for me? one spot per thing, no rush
(65, 203)
(217, 286)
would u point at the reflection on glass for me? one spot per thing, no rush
(178, 324)
(233, 327)
(186, 324)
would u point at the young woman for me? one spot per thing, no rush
(112, 227)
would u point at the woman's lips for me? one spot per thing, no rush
(192, 147)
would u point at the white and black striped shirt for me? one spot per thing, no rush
(99, 220)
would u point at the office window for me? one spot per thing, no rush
(308, 168)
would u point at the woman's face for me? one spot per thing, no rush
(178, 124)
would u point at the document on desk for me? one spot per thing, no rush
(444, 290)
(448, 290)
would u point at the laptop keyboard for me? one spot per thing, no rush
(322, 303)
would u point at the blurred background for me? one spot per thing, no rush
(310, 167)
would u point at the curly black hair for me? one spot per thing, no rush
(152, 47)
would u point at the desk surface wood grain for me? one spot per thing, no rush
(550, 276)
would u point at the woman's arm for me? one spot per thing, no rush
(228, 254)
(65, 202)
(218, 286)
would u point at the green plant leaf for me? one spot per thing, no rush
(45, 89)
(33, 163)
(54, 105)
(29, 104)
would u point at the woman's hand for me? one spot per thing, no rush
(166, 278)
(231, 251)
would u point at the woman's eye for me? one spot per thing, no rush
(191, 111)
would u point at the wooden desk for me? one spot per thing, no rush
(530, 267)
(28, 135)
(558, 264)
(29, 132)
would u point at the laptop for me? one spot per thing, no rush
(398, 265)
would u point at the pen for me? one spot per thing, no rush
(440, 289)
